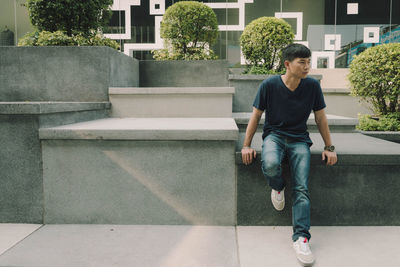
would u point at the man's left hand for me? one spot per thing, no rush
(331, 157)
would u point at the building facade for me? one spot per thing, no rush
(334, 30)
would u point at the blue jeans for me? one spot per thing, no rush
(275, 147)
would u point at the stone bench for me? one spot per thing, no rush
(141, 171)
(171, 101)
(361, 189)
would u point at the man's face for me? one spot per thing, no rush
(299, 67)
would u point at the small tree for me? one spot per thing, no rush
(262, 41)
(188, 28)
(69, 15)
(375, 77)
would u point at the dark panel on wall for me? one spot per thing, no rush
(369, 12)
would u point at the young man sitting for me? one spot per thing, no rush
(287, 101)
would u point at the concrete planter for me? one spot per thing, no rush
(63, 73)
(182, 73)
(388, 136)
(246, 87)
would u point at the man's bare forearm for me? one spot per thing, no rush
(323, 128)
(252, 127)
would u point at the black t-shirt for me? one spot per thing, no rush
(286, 111)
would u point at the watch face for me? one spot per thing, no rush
(330, 148)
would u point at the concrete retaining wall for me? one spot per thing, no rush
(21, 183)
(141, 171)
(63, 73)
(196, 73)
(360, 190)
(139, 182)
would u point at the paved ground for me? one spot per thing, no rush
(192, 246)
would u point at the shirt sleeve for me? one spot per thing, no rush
(319, 102)
(260, 100)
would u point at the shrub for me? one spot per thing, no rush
(375, 77)
(69, 16)
(389, 122)
(188, 29)
(262, 41)
(59, 38)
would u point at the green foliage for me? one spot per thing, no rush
(261, 70)
(389, 122)
(59, 38)
(193, 53)
(263, 39)
(375, 77)
(188, 28)
(69, 16)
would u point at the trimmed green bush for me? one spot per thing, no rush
(59, 38)
(68, 23)
(389, 122)
(375, 77)
(189, 29)
(262, 41)
(69, 16)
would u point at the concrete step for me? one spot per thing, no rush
(195, 246)
(336, 123)
(171, 101)
(141, 171)
(361, 189)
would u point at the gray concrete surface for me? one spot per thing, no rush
(125, 245)
(39, 107)
(343, 104)
(361, 189)
(63, 73)
(332, 246)
(388, 136)
(21, 183)
(182, 73)
(12, 234)
(147, 129)
(139, 182)
(202, 102)
(197, 246)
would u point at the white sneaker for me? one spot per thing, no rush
(278, 199)
(303, 251)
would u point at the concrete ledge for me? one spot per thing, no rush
(147, 129)
(49, 107)
(388, 136)
(170, 90)
(352, 148)
(345, 91)
(353, 192)
(64, 73)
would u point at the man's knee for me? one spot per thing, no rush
(270, 167)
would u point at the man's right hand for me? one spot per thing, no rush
(248, 154)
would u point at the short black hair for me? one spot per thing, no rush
(293, 51)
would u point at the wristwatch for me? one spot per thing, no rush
(329, 148)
